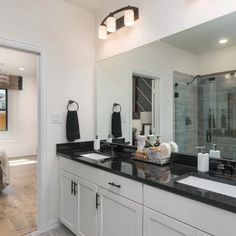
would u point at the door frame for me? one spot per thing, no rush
(42, 125)
(157, 79)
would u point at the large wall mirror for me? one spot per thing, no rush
(182, 88)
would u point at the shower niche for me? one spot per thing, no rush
(205, 112)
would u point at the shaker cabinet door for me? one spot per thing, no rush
(69, 201)
(118, 215)
(87, 208)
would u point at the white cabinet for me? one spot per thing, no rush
(118, 215)
(87, 208)
(69, 201)
(78, 205)
(124, 207)
(161, 225)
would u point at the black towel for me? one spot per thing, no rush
(72, 126)
(116, 124)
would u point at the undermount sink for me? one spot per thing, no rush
(209, 185)
(95, 156)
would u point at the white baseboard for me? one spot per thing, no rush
(52, 224)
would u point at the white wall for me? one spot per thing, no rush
(21, 137)
(67, 34)
(217, 61)
(158, 18)
(114, 78)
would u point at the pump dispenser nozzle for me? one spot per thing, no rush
(203, 149)
(214, 147)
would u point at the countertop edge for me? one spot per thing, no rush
(157, 185)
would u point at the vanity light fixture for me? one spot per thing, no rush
(21, 69)
(102, 32)
(129, 17)
(230, 75)
(223, 41)
(110, 23)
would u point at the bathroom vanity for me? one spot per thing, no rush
(120, 196)
(183, 89)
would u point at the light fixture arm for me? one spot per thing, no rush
(120, 21)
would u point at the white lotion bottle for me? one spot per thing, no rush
(96, 144)
(215, 153)
(202, 160)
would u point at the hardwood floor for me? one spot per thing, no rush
(18, 202)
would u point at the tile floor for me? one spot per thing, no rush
(62, 231)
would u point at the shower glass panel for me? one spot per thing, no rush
(186, 112)
(205, 112)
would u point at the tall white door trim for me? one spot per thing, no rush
(42, 126)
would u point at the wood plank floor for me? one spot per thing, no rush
(18, 202)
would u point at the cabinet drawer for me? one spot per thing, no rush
(79, 169)
(203, 217)
(121, 185)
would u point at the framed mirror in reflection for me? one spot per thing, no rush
(182, 88)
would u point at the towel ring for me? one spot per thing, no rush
(70, 102)
(115, 105)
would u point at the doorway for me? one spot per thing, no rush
(18, 141)
(41, 184)
(144, 106)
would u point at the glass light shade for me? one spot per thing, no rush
(111, 24)
(102, 32)
(129, 17)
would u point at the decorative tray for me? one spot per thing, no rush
(159, 162)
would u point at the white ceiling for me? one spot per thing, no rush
(204, 38)
(11, 60)
(92, 5)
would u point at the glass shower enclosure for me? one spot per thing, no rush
(205, 112)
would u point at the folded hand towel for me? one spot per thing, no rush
(72, 126)
(174, 147)
(116, 124)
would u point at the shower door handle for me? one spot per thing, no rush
(208, 136)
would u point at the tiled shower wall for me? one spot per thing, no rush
(205, 102)
(185, 111)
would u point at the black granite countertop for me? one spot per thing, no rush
(163, 177)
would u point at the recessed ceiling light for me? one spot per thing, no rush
(21, 68)
(223, 41)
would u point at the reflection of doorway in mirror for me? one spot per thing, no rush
(144, 91)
